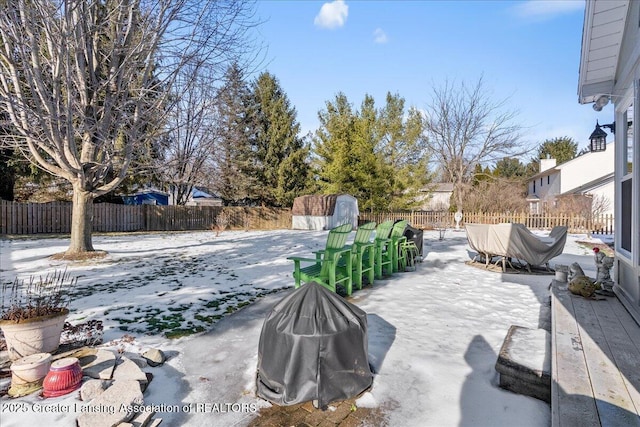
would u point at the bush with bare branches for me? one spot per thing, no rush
(221, 222)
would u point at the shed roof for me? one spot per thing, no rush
(315, 205)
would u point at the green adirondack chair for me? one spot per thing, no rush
(398, 241)
(383, 252)
(331, 266)
(363, 254)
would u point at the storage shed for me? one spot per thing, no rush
(323, 212)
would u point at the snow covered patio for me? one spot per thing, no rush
(434, 334)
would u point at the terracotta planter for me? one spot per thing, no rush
(31, 336)
(65, 376)
(30, 369)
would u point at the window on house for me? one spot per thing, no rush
(548, 179)
(540, 182)
(533, 208)
(625, 235)
(629, 143)
(534, 187)
(626, 195)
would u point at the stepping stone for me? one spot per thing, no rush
(120, 396)
(99, 366)
(524, 362)
(92, 389)
(127, 370)
(154, 357)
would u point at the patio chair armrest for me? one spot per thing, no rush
(301, 259)
(361, 247)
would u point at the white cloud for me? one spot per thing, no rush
(332, 15)
(379, 36)
(547, 9)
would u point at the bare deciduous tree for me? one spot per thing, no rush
(497, 195)
(85, 83)
(189, 140)
(465, 128)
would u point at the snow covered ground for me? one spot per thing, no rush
(434, 334)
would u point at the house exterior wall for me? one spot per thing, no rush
(606, 192)
(547, 185)
(627, 184)
(437, 201)
(587, 168)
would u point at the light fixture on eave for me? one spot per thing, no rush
(601, 102)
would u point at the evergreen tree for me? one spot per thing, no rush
(510, 167)
(366, 168)
(403, 151)
(562, 149)
(481, 175)
(281, 155)
(378, 156)
(236, 180)
(332, 146)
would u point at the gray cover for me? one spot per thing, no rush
(516, 241)
(313, 346)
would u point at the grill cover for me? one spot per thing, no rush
(313, 346)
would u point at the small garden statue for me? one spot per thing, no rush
(575, 270)
(457, 217)
(603, 265)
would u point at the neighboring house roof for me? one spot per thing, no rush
(579, 158)
(575, 160)
(601, 42)
(546, 172)
(146, 196)
(585, 188)
(440, 187)
(197, 194)
(148, 191)
(444, 187)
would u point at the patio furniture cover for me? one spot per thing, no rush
(313, 346)
(516, 241)
(417, 236)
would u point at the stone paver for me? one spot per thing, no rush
(338, 414)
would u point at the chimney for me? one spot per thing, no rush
(547, 164)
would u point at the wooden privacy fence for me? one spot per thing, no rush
(55, 217)
(599, 224)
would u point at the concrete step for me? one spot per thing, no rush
(524, 362)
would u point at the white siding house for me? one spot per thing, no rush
(610, 72)
(590, 174)
(437, 197)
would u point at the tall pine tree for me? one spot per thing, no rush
(403, 151)
(332, 146)
(236, 180)
(281, 155)
(378, 156)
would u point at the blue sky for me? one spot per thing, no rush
(526, 51)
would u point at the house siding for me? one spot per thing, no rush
(626, 94)
(586, 168)
(571, 175)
